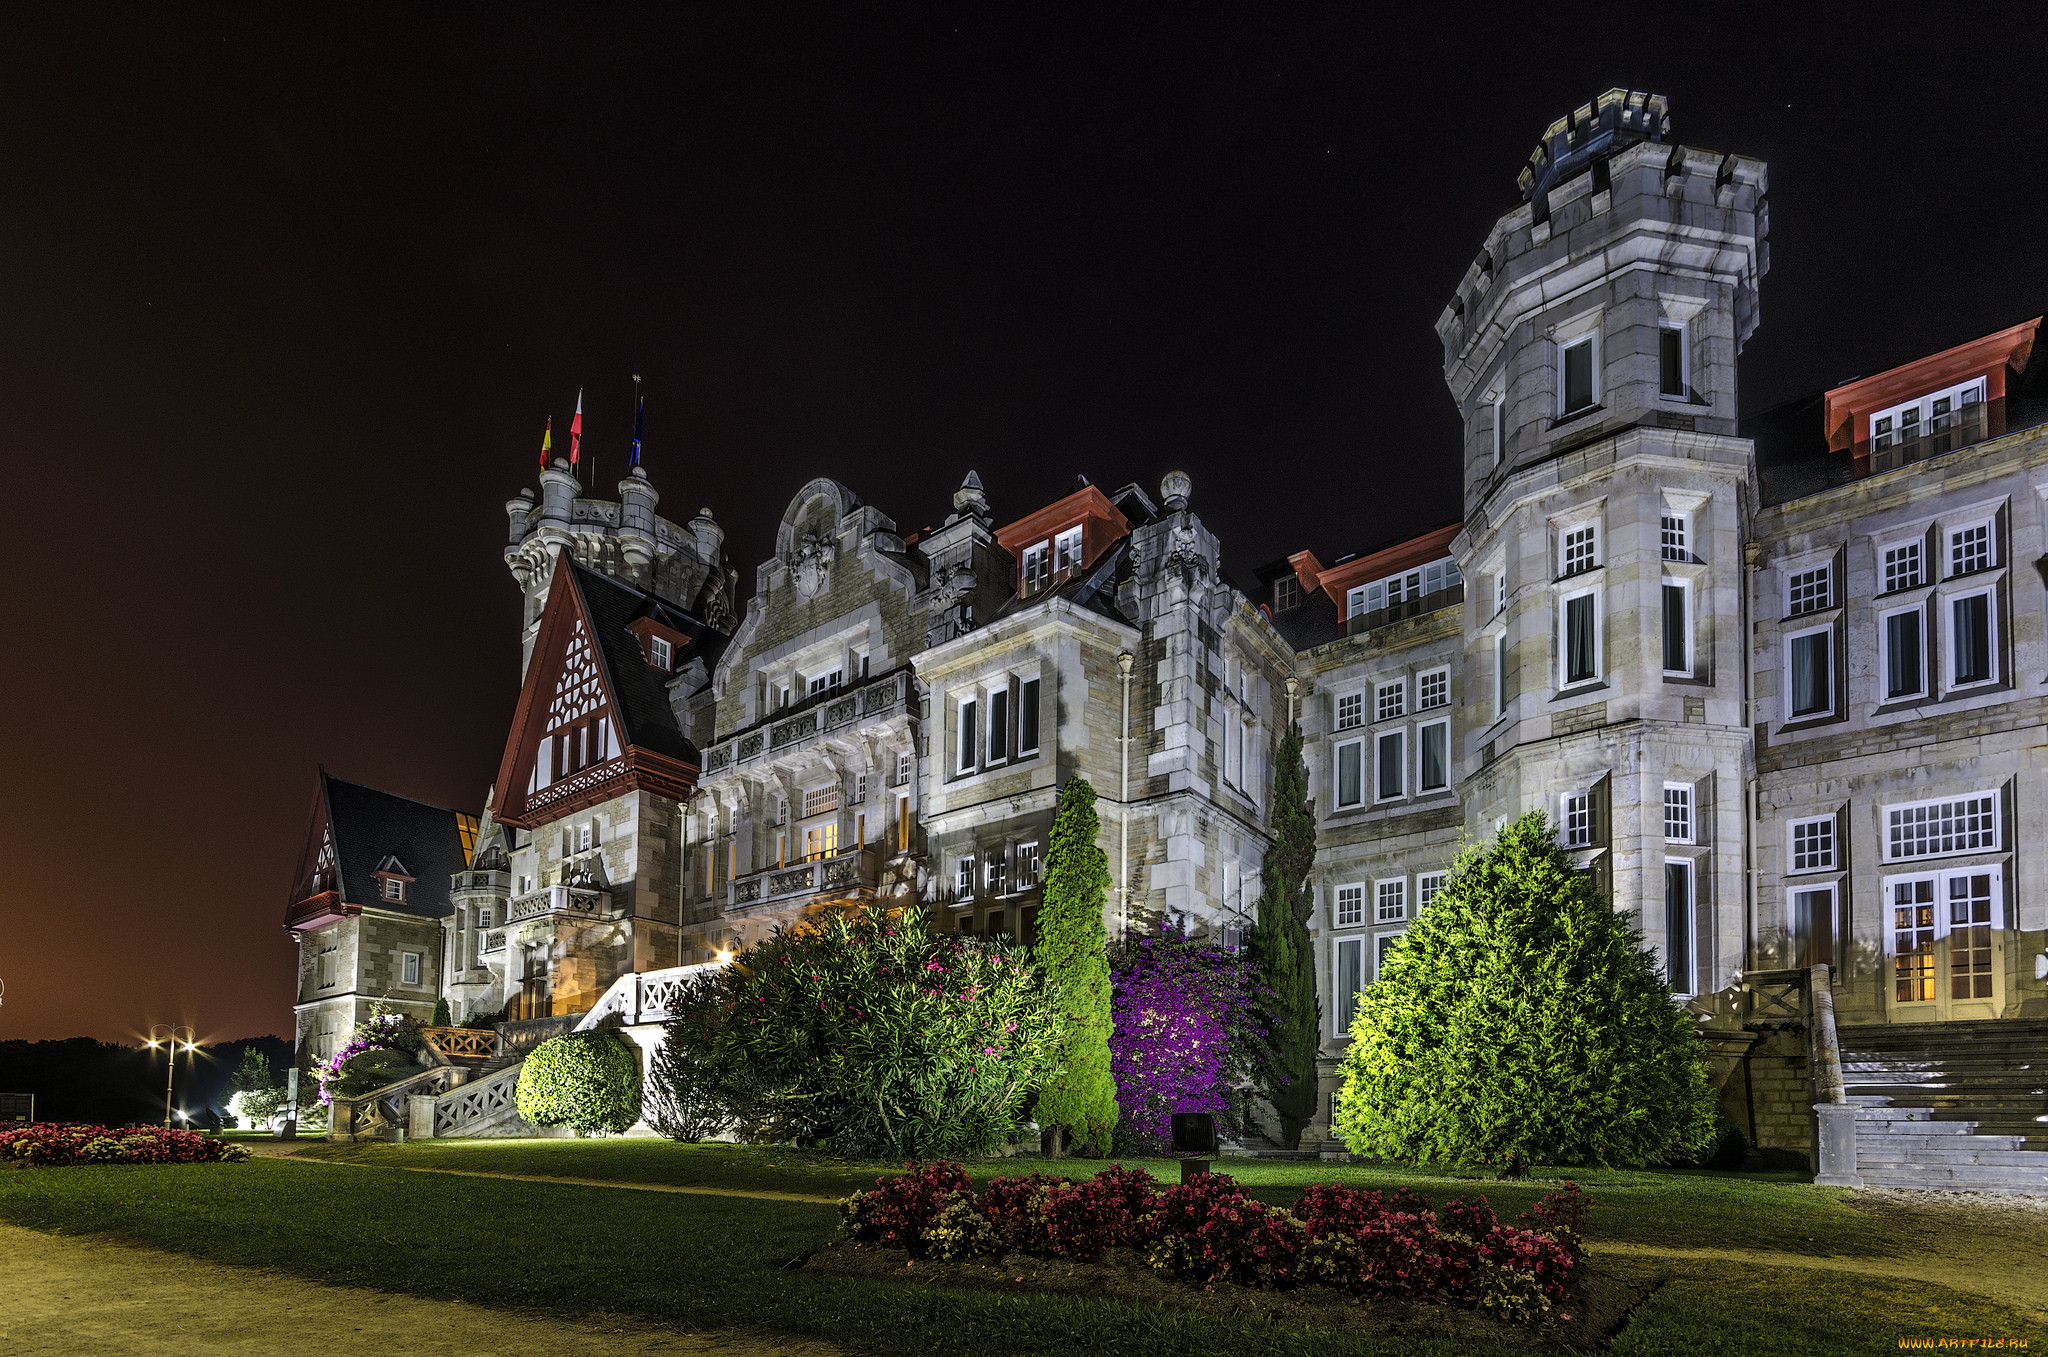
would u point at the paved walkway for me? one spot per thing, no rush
(72, 1295)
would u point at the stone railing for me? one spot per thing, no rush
(645, 996)
(821, 715)
(385, 1112)
(526, 1033)
(479, 881)
(572, 901)
(494, 941)
(467, 1105)
(461, 1043)
(855, 869)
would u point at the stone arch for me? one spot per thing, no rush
(839, 503)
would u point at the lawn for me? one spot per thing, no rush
(1678, 1210)
(713, 1262)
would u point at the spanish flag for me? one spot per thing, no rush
(547, 438)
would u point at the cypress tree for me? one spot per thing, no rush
(442, 1018)
(1282, 953)
(1521, 1020)
(1072, 955)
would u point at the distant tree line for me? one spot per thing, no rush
(81, 1079)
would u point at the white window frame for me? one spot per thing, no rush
(905, 761)
(1966, 394)
(1066, 550)
(1381, 943)
(1888, 570)
(1824, 827)
(1564, 347)
(1684, 392)
(967, 730)
(1337, 774)
(394, 889)
(1826, 571)
(1565, 682)
(1428, 885)
(1500, 590)
(1884, 654)
(1685, 631)
(1035, 569)
(1423, 685)
(1390, 893)
(1390, 700)
(1027, 865)
(1692, 940)
(1942, 923)
(860, 789)
(1996, 822)
(1028, 691)
(1355, 716)
(1565, 535)
(1500, 675)
(1951, 635)
(1347, 906)
(1379, 738)
(1421, 742)
(1681, 550)
(1499, 431)
(658, 647)
(1340, 1021)
(408, 968)
(996, 725)
(819, 800)
(1828, 630)
(1577, 806)
(1987, 526)
(964, 872)
(1683, 800)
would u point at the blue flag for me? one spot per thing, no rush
(639, 409)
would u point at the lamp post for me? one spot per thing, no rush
(170, 1040)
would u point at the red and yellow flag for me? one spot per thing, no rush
(547, 437)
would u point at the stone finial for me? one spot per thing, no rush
(968, 499)
(1174, 488)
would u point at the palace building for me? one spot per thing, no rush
(1778, 679)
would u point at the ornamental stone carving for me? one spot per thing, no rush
(1184, 558)
(810, 565)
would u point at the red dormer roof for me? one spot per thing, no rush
(1848, 408)
(1102, 526)
(1340, 579)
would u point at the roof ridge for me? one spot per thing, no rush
(396, 796)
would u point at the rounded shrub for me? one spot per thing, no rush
(586, 1081)
(1521, 1020)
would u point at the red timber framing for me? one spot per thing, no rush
(1847, 409)
(1338, 580)
(316, 886)
(571, 745)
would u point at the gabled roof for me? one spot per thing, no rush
(591, 679)
(368, 828)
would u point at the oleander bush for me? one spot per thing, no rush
(586, 1081)
(56, 1144)
(1207, 1231)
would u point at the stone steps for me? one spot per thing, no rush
(1955, 1106)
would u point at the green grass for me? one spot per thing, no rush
(714, 1263)
(1680, 1210)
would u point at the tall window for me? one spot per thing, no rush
(1671, 361)
(1433, 756)
(1066, 550)
(1350, 959)
(821, 841)
(1577, 813)
(1678, 925)
(409, 968)
(860, 788)
(1672, 537)
(1913, 930)
(1576, 379)
(1500, 590)
(968, 730)
(1027, 866)
(1027, 717)
(1971, 653)
(1904, 652)
(659, 647)
(1810, 673)
(1810, 591)
(1432, 689)
(1902, 568)
(1678, 812)
(1390, 700)
(1035, 569)
(1813, 926)
(1499, 431)
(1677, 636)
(903, 766)
(1581, 638)
(1350, 906)
(1350, 773)
(1350, 710)
(1813, 844)
(999, 725)
(1500, 675)
(1390, 900)
(963, 880)
(998, 873)
(1391, 759)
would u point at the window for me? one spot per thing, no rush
(1432, 689)
(1671, 361)
(1576, 377)
(1672, 537)
(1350, 773)
(659, 647)
(1967, 908)
(1902, 568)
(1579, 550)
(1581, 639)
(1902, 636)
(826, 681)
(1390, 758)
(409, 968)
(1576, 813)
(1350, 906)
(860, 663)
(963, 880)
(1810, 674)
(1929, 414)
(999, 725)
(1678, 812)
(1350, 956)
(818, 800)
(1911, 935)
(1677, 636)
(1027, 717)
(781, 810)
(1027, 866)
(998, 873)
(967, 734)
(1810, 591)
(1390, 700)
(1500, 433)
(1286, 593)
(394, 889)
(1972, 914)
(1433, 752)
(1500, 590)
(1678, 925)
(1969, 549)
(783, 698)
(1066, 550)
(1350, 710)
(326, 968)
(1813, 926)
(1035, 572)
(903, 759)
(483, 918)
(1382, 945)
(1925, 829)
(1500, 676)
(903, 823)
(1427, 885)
(1972, 655)
(860, 788)
(1813, 844)
(1390, 900)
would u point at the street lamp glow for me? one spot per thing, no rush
(171, 1036)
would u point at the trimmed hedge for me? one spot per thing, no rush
(586, 1081)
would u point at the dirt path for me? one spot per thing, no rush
(75, 1296)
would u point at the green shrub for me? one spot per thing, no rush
(368, 1070)
(683, 1101)
(442, 1017)
(862, 1031)
(586, 1081)
(1072, 954)
(1520, 1019)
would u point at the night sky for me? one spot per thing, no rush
(282, 310)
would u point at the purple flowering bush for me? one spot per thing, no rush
(57, 1144)
(381, 1050)
(1371, 1244)
(1185, 1037)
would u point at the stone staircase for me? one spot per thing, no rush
(1962, 1106)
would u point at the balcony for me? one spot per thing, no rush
(1976, 422)
(1406, 608)
(571, 902)
(832, 710)
(317, 911)
(852, 873)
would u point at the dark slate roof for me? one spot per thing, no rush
(369, 824)
(639, 690)
(1094, 589)
(1310, 623)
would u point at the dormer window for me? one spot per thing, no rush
(659, 649)
(394, 889)
(1036, 570)
(1934, 413)
(1066, 551)
(1286, 593)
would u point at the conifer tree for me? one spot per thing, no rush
(442, 1017)
(1072, 954)
(1282, 952)
(1521, 1020)
(253, 1074)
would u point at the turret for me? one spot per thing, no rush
(636, 523)
(710, 539)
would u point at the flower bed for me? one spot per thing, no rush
(1361, 1243)
(55, 1144)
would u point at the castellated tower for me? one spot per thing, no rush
(1591, 349)
(625, 539)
